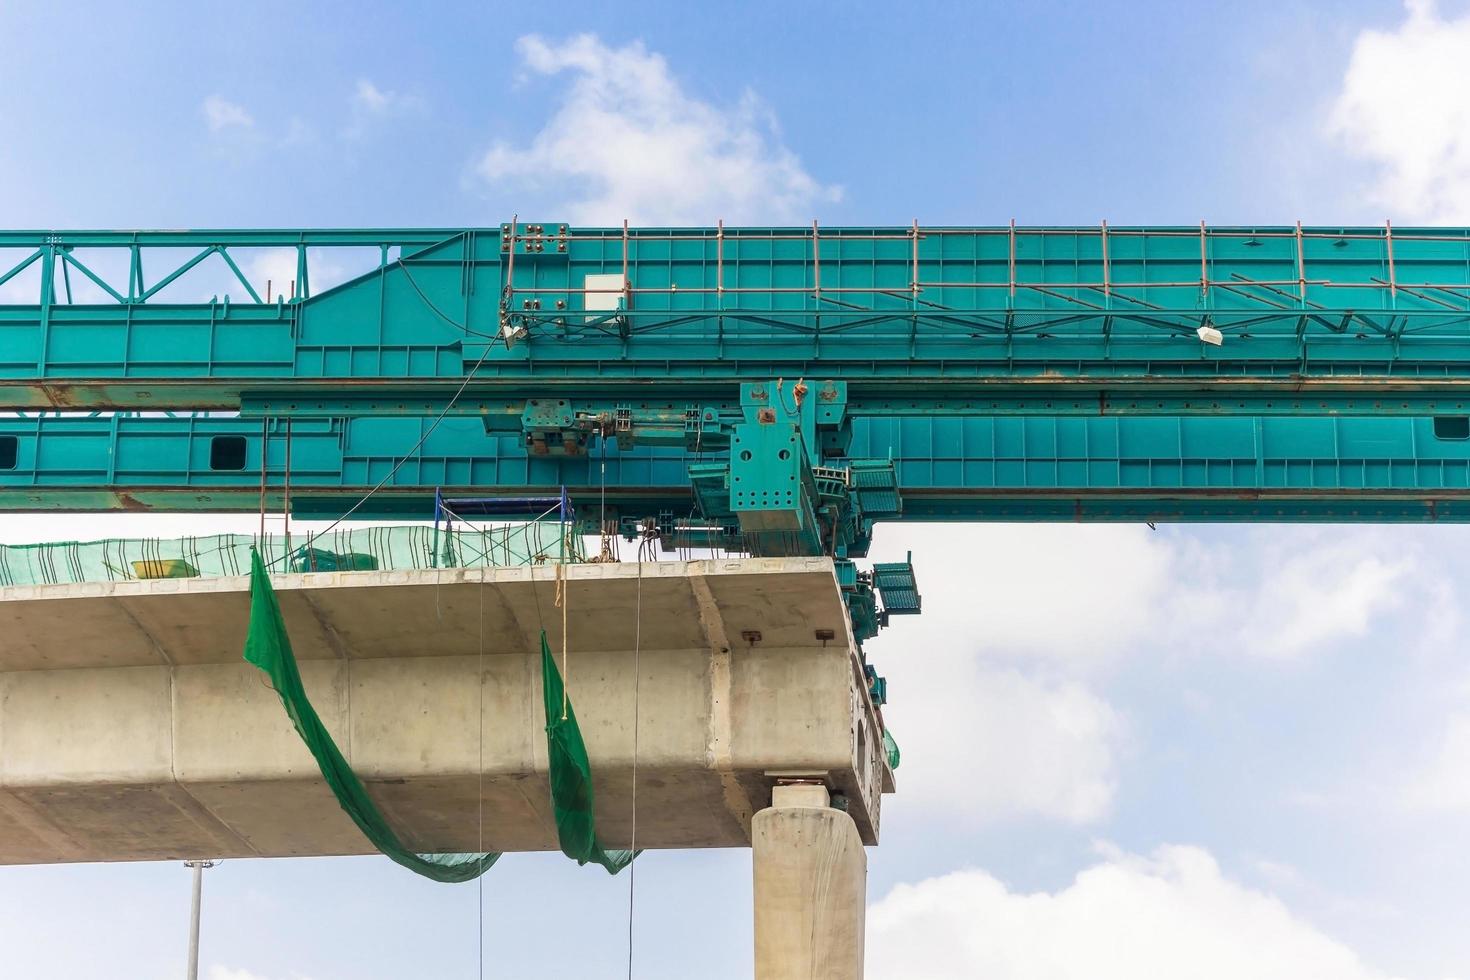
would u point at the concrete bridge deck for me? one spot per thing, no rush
(130, 728)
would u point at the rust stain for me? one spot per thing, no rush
(126, 501)
(61, 395)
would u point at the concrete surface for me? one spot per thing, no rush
(131, 729)
(811, 884)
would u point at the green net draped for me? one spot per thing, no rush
(268, 647)
(571, 775)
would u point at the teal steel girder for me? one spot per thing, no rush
(1384, 469)
(944, 320)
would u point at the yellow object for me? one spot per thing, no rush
(164, 568)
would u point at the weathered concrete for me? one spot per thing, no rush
(811, 882)
(130, 728)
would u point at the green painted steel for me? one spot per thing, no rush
(1040, 320)
(1228, 373)
(1000, 468)
(770, 390)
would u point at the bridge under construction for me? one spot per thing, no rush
(753, 403)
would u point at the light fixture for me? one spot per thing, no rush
(1210, 335)
(511, 332)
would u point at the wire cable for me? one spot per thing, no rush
(633, 843)
(480, 777)
(604, 550)
(569, 331)
(563, 599)
(454, 399)
(265, 442)
(403, 264)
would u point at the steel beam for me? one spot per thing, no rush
(977, 320)
(1003, 468)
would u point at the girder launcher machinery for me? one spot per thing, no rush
(776, 391)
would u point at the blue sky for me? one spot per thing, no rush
(1196, 751)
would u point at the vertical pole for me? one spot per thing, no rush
(510, 268)
(198, 891)
(816, 262)
(914, 283)
(1011, 265)
(1204, 264)
(194, 920)
(1301, 266)
(286, 503)
(1106, 270)
(264, 446)
(627, 284)
(1393, 283)
(816, 281)
(48, 297)
(438, 509)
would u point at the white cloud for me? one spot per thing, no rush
(1057, 592)
(372, 98)
(276, 267)
(367, 106)
(1405, 105)
(235, 973)
(1083, 595)
(628, 142)
(995, 745)
(1443, 783)
(220, 114)
(1173, 914)
(299, 132)
(1308, 598)
(275, 270)
(992, 681)
(370, 104)
(23, 289)
(1005, 679)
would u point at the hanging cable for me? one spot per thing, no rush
(605, 539)
(560, 600)
(286, 499)
(633, 842)
(469, 331)
(480, 776)
(454, 399)
(264, 445)
(566, 671)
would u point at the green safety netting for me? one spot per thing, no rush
(890, 747)
(341, 549)
(571, 775)
(268, 647)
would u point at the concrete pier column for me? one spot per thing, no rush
(811, 883)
